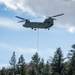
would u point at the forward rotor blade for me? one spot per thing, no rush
(19, 17)
(58, 15)
(21, 21)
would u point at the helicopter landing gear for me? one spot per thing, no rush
(34, 29)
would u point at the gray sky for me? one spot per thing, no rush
(47, 8)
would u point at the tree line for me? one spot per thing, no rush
(37, 66)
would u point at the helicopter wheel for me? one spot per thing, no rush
(34, 29)
(48, 28)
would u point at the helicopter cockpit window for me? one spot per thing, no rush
(27, 21)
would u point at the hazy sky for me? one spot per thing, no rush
(14, 37)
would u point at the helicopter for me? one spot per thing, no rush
(46, 24)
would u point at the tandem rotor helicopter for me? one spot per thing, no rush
(46, 24)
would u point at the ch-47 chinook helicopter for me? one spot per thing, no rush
(46, 24)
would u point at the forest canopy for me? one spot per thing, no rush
(37, 66)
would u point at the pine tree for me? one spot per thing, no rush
(21, 65)
(32, 70)
(34, 64)
(71, 56)
(35, 59)
(47, 69)
(41, 67)
(57, 62)
(13, 62)
(3, 71)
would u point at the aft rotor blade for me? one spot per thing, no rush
(53, 18)
(58, 15)
(19, 17)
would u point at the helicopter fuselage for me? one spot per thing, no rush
(49, 22)
(46, 24)
(37, 25)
